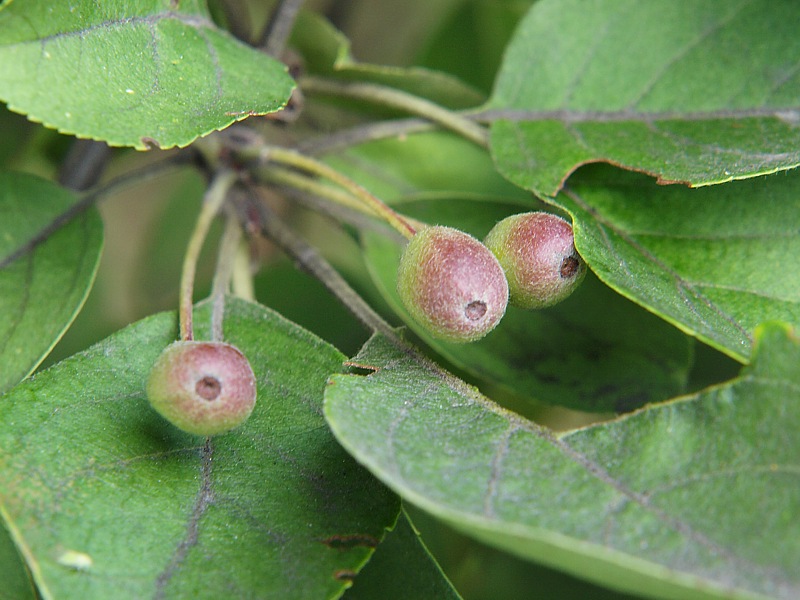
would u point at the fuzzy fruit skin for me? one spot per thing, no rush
(452, 284)
(537, 252)
(205, 388)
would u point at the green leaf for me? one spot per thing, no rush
(692, 91)
(327, 52)
(17, 584)
(402, 568)
(694, 498)
(112, 501)
(42, 290)
(711, 261)
(141, 74)
(594, 352)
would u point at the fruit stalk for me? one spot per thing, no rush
(315, 264)
(327, 194)
(371, 202)
(398, 99)
(226, 258)
(212, 201)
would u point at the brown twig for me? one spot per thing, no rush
(279, 27)
(84, 164)
(312, 262)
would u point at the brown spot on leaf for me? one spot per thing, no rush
(344, 575)
(243, 113)
(355, 540)
(150, 143)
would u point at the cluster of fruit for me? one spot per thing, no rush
(452, 284)
(458, 288)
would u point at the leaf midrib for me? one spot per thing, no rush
(786, 114)
(190, 20)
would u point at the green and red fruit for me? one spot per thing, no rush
(204, 388)
(537, 252)
(452, 284)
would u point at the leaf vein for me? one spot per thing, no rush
(501, 451)
(683, 52)
(205, 497)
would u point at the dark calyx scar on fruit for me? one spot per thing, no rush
(452, 284)
(537, 252)
(204, 388)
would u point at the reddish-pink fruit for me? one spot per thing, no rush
(537, 252)
(452, 284)
(205, 388)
